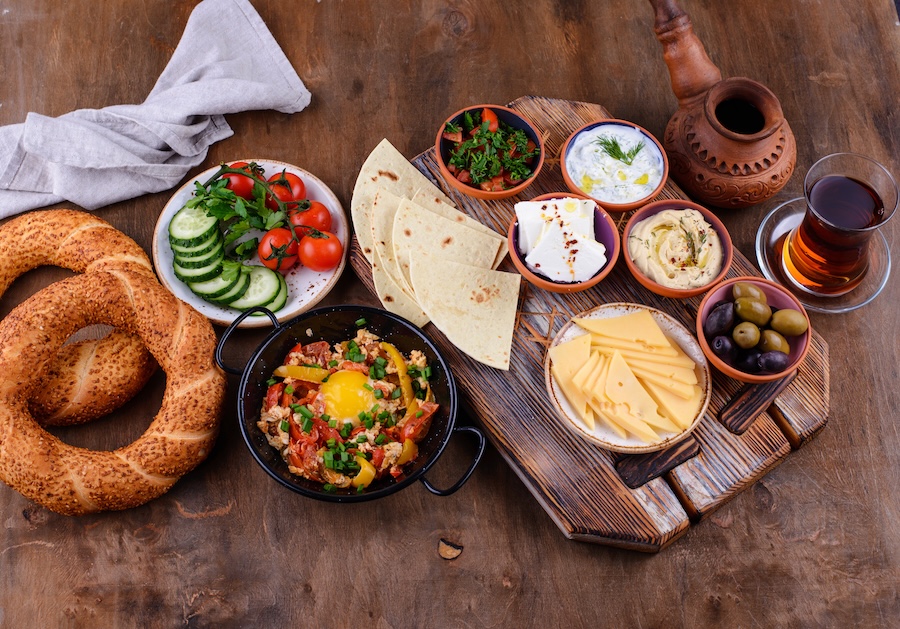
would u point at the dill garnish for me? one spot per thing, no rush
(611, 147)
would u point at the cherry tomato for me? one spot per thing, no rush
(239, 184)
(278, 249)
(493, 185)
(285, 187)
(310, 215)
(454, 136)
(320, 251)
(491, 117)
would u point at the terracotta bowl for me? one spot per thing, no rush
(777, 297)
(604, 232)
(676, 204)
(610, 206)
(504, 114)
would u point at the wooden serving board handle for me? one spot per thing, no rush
(637, 469)
(745, 406)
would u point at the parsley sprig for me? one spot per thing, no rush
(237, 215)
(611, 147)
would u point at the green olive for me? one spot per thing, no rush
(789, 322)
(772, 341)
(746, 289)
(745, 335)
(752, 310)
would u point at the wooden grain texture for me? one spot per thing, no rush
(813, 543)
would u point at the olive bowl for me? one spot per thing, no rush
(777, 297)
(335, 324)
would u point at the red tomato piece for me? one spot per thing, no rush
(491, 118)
(464, 176)
(320, 251)
(278, 249)
(493, 185)
(242, 185)
(456, 137)
(310, 215)
(286, 187)
(273, 395)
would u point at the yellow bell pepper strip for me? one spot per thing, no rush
(409, 452)
(301, 372)
(406, 390)
(366, 473)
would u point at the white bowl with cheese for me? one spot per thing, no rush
(628, 378)
(562, 242)
(615, 162)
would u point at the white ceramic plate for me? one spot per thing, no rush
(306, 288)
(601, 435)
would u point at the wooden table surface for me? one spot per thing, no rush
(813, 544)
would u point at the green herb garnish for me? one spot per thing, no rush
(611, 147)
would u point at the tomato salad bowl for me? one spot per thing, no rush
(335, 325)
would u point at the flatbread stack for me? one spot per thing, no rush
(431, 262)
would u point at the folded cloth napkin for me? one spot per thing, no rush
(227, 61)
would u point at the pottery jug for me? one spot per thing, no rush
(728, 143)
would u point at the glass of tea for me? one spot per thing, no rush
(848, 198)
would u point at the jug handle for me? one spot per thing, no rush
(691, 72)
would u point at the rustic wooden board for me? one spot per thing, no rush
(575, 482)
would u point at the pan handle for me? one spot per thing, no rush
(481, 444)
(231, 328)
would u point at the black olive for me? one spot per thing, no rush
(723, 347)
(773, 361)
(748, 360)
(719, 321)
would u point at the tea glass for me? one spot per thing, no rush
(848, 198)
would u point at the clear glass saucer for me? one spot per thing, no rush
(770, 237)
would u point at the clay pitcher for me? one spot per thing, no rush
(728, 143)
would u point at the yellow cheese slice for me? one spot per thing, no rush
(672, 359)
(685, 375)
(623, 388)
(608, 419)
(636, 327)
(679, 410)
(581, 376)
(682, 390)
(619, 414)
(566, 359)
(634, 346)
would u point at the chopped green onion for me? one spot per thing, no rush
(326, 418)
(427, 372)
(419, 413)
(396, 393)
(361, 439)
(289, 389)
(331, 443)
(332, 423)
(380, 361)
(345, 431)
(352, 345)
(332, 363)
(368, 387)
(384, 414)
(360, 489)
(390, 422)
(305, 412)
(284, 425)
(360, 322)
(307, 425)
(378, 393)
(329, 487)
(380, 438)
(271, 381)
(295, 408)
(420, 394)
(374, 408)
(369, 423)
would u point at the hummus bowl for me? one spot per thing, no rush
(605, 232)
(335, 324)
(678, 256)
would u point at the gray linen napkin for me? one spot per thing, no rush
(227, 61)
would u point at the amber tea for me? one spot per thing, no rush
(827, 254)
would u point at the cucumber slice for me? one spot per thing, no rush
(195, 262)
(265, 284)
(200, 274)
(237, 291)
(206, 246)
(280, 299)
(221, 284)
(191, 225)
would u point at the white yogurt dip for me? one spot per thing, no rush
(628, 174)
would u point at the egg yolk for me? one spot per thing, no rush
(345, 395)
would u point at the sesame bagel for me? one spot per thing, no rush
(72, 480)
(93, 377)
